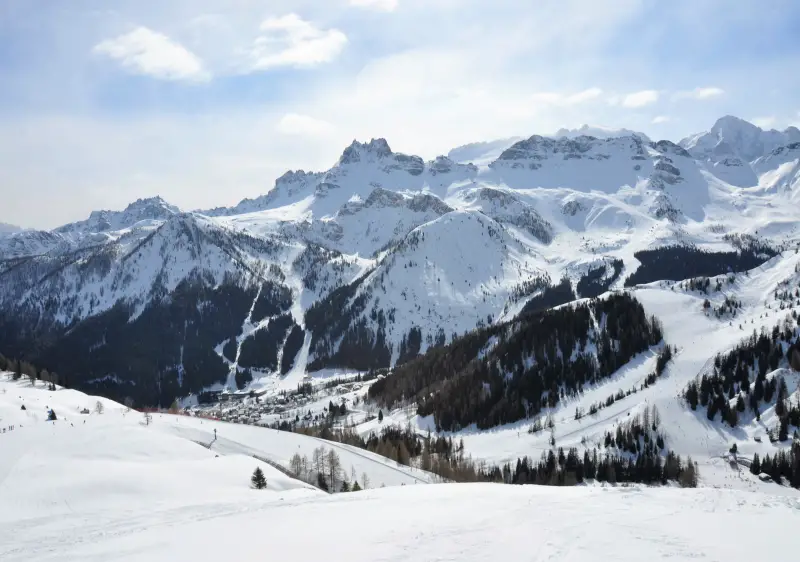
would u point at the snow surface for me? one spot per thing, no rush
(445, 522)
(181, 444)
(106, 487)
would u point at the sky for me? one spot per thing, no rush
(206, 102)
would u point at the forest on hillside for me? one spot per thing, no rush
(509, 372)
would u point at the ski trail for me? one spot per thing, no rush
(230, 384)
(298, 370)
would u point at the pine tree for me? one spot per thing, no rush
(380, 416)
(356, 487)
(783, 432)
(258, 481)
(755, 466)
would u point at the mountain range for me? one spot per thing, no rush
(385, 256)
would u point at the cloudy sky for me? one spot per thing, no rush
(205, 102)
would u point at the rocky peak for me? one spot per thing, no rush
(538, 148)
(599, 133)
(151, 207)
(732, 137)
(670, 148)
(376, 148)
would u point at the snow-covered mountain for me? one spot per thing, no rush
(6, 228)
(588, 295)
(731, 146)
(598, 132)
(345, 267)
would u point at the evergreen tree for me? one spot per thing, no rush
(783, 431)
(258, 481)
(380, 416)
(755, 466)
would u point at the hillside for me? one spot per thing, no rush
(106, 485)
(452, 522)
(137, 464)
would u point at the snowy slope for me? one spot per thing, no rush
(446, 522)
(112, 488)
(100, 452)
(280, 446)
(698, 337)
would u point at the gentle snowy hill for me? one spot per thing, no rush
(112, 459)
(447, 522)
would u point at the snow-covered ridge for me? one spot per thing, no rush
(598, 132)
(540, 205)
(736, 137)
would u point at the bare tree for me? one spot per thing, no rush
(334, 467)
(30, 372)
(318, 460)
(129, 403)
(296, 464)
(656, 417)
(148, 418)
(365, 480)
(98, 407)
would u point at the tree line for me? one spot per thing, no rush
(783, 466)
(739, 381)
(23, 369)
(682, 262)
(509, 372)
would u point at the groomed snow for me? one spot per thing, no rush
(445, 522)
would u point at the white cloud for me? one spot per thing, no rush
(144, 51)
(640, 99)
(296, 124)
(566, 100)
(659, 119)
(764, 122)
(699, 94)
(291, 41)
(383, 5)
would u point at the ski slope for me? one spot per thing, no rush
(280, 446)
(161, 454)
(446, 522)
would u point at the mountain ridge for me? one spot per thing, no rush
(392, 249)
